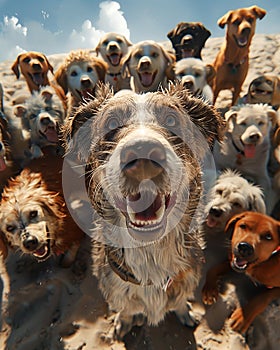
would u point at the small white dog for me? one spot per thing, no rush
(246, 145)
(194, 74)
(231, 194)
(112, 47)
(150, 66)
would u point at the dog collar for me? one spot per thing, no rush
(234, 67)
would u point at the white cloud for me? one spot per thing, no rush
(15, 38)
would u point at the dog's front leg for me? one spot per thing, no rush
(185, 315)
(123, 323)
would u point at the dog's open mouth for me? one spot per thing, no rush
(114, 59)
(242, 40)
(240, 264)
(37, 78)
(187, 52)
(147, 78)
(43, 252)
(146, 214)
(50, 133)
(86, 93)
(249, 150)
(258, 91)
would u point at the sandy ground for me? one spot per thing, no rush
(47, 307)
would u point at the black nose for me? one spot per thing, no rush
(86, 83)
(245, 249)
(36, 66)
(254, 137)
(30, 243)
(188, 84)
(150, 149)
(216, 212)
(45, 120)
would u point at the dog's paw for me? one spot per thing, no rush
(186, 316)
(237, 321)
(210, 294)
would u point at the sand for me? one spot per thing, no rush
(47, 307)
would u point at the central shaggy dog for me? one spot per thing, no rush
(143, 156)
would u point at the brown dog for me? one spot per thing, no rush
(33, 214)
(188, 39)
(255, 242)
(264, 89)
(34, 66)
(232, 61)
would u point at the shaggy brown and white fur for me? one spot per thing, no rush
(144, 181)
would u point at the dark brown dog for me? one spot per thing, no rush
(232, 61)
(188, 39)
(255, 242)
(34, 66)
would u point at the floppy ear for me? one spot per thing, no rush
(50, 67)
(125, 71)
(204, 32)
(101, 68)
(225, 19)
(61, 78)
(256, 202)
(276, 92)
(3, 247)
(20, 112)
(231, 224)
(210, 72)
(273, 116)
(15, 67)
(128, 42)
(230, 118)
(259, 12)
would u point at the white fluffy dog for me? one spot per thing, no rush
(194, 74)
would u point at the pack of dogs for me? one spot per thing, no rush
(141, 117)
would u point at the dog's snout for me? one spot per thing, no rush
(186, 39)
(246, 31)
(145, 62)
(45, 120)
(245, 249)
(188, 84)
(143, 158)
(85, 82)
(216, 212)
(36, 66)
(30, 243)
(254, 137)
(113, 47)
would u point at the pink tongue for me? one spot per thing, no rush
(250, 151)
(211, 222)
(51, 135)
(115, 59)
(146, 79)
(2, 164)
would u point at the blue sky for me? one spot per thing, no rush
(56, 26)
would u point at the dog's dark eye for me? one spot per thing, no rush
(113, 124)
(219, 192)
(154, 54)
(243, 226)
(89, 69)
(269, 82)
(267, 237)
(105, 42)
(32, 116)
(236, 205)
(138, 56)
(74, 73)
(170, 121)
(250, 20)
(41, 59)
(237, 22)
(197, 75)
(10, 228)
(26, 60)
(243, 124)
(119, 41)
(261, 123)
(33, 214)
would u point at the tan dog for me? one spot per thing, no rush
(112, 47)
(138, 174)
(193, 73)
(79, 75)
(33, 214)
(149, 65)
(264, 89)
(254, 251)
(34, 66)
(232, 61)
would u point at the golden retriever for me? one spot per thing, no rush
(254, 250)
(33, 216)
(79, 75)
(232, 61)
(246, 144)
(112, 47)
(188, 39)
(149, 65)
(194, 74)
(35, 66)
(144, 181)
